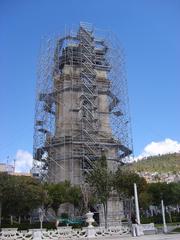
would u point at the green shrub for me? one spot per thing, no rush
(64, 215)
(27, 225)
(157, 219)
(176, 229)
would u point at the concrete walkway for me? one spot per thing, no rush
(147, 237)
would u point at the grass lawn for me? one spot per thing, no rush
(176, 230)
(168, 224)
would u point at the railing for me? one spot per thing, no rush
(63, 233)
(13, 234)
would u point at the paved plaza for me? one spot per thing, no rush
(148, 237)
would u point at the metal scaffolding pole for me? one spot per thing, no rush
(81, 105)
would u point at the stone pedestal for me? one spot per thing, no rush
(115, 211)
(37, 234)
(90, 229)
(137, 230)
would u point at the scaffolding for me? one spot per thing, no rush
(81, 105)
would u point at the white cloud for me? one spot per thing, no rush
(163, 147)
(24, 161)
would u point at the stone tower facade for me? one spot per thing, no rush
(84, 103)
(76, 97)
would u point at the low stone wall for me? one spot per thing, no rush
(143, 229)
(63, 233)
(13, 234)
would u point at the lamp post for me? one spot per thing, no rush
(164, 218)
(136, 204)
(137, 228)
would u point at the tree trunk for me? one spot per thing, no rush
(105, 213)
(170, 217)
(30, 219)
(19, 220)
(130, 209)
(11, 220)
(177, 208)
(41, 224)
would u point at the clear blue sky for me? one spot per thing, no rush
(150, 34)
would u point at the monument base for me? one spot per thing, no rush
(115, 211)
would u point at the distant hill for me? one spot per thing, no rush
(161, 164)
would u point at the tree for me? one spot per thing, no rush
(32, 194)
(58, 194)
(174, 192)
(88, 198)
(170, 193)
(158, 192)
(100, 180)
(3, 185)
(124, 183)
(75, 196)
(145, 200)
(21, 195)
(63, 193)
